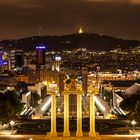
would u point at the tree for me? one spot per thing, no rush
(10, 106)
(131, 105)
(137, 112)
(34, 99)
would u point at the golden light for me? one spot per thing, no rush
(80, 31)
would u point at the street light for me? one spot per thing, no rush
(133, 122)
(12, 124)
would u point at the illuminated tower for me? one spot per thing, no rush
(57, 62)
(40, 53)
(12, 59)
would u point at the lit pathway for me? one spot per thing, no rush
(5, 129)
(44, 106)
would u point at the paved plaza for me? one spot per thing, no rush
(43, 137)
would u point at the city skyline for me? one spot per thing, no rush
(119, 18)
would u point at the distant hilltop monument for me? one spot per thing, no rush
(80, 31)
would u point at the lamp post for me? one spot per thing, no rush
(12, 124)
(133, 122)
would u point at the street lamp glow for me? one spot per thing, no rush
(133, 122)
(12, 124)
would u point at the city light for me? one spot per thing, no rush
(70, 70)
(133, 122)
(45, 106)
(99, 103)
(58, 58)
(12, 124)
(40, 47)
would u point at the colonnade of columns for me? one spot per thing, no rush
(66, 132)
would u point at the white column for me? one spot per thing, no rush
(79, 132)
(53, 115)
(66, 132)
(92, 132)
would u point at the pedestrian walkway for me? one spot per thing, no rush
(5, 129)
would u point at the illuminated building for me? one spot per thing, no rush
(57, 62)
(0, 57)
(4, 62)
(12, 59)
(26, 98)
(18, 58)
(21, 78)
(36, 88)
(40, 53)
(47, 75)
(7, 80)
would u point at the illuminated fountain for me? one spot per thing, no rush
(74, 102)
(73, 89)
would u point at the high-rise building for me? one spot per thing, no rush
(0, 57)
(3, 60)
(56, 63)
(12, 59)
(40, 53)
(18, 58)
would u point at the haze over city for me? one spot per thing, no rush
(119, 18)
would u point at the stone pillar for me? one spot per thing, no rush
(79, 132)
(92, 132)
(66, 132)
(53, 115)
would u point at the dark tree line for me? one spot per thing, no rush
(10, 106)
(131, 105)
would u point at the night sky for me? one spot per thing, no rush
(21, 18)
